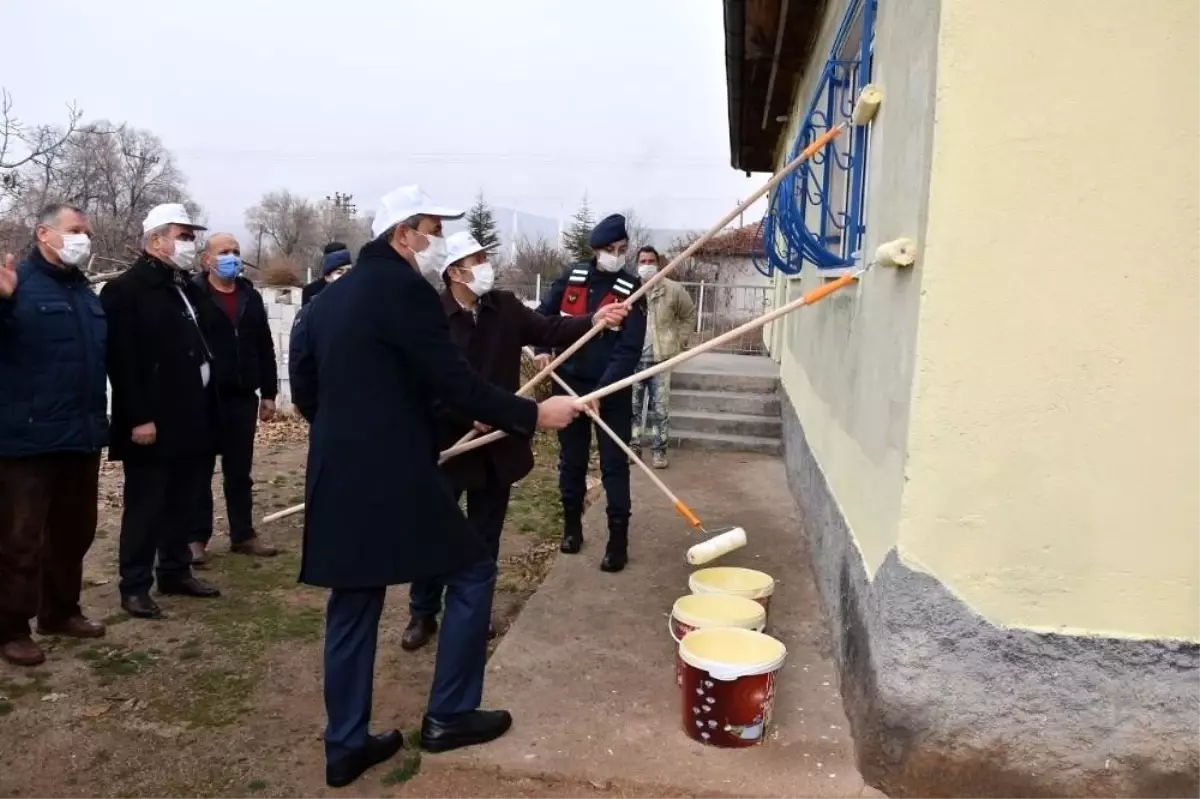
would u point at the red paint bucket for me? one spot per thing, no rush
(727, 685)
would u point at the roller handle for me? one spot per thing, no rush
(686, 512)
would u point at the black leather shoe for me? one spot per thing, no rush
(420, 631)
(467, 729)
(188, 586)
(614, 561)
(141, 606)
(377, 749)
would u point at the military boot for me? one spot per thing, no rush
(616, 554)
(572, 539)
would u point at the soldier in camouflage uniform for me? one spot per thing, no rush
(670, 320)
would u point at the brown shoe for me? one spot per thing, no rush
(74, 627)
(420, 631)
(199, 554)
(23, 652)
(253, 546)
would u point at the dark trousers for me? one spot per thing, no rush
(351, 636)
(238, 420)
(160, 502)
(575, 443)
(486, 509)
(47, 525)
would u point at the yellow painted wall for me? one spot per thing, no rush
(1053, 460)
(846, 364)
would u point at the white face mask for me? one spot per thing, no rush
(647, 271)
(609, 262)
(484, 277)
(185, 254)
(430, 259)
(76, 248)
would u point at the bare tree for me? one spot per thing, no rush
(639, 234)
(290, 223)
(114, 173)
(533, 259)
(21, 144)
(338, 220)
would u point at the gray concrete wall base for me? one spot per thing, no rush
(944, 703)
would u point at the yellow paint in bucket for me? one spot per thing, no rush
(700, 611)
(727, 685)
(734, 581)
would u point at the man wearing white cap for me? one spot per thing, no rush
(490, 327)
(160, 367)
(376, 355)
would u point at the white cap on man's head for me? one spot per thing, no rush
(406, 202)
(169, 214)
(459, 246)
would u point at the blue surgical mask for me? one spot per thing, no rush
(229, 266)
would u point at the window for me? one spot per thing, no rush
(816, 214)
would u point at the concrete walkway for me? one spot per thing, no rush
(588, 667)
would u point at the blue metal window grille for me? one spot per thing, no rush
(816, 214)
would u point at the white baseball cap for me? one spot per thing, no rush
(405, 202)
(459, 246)
(169, 214)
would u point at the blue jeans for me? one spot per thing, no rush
(351, 638)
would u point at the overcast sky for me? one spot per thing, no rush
(534, 101)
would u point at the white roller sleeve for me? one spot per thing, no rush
(717, 546)
(898, 253)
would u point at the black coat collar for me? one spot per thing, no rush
(154, 272)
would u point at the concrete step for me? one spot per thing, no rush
(737, 424)
(721, 442)
(721, 381)
(725, 401)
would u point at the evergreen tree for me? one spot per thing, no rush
(482, 223)
(575, 238)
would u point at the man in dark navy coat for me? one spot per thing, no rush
(53, 424)
(375, 355)
(613, 355)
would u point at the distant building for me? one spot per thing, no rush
(995, 451)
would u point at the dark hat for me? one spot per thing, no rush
(334, 260)
(607, 230)
(334, 246)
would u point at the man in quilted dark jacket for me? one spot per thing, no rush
(53, 424)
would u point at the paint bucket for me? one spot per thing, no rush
(734, 581)
(727, 685)
(699, 611)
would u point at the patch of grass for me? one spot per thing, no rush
(410, 768)
(6, 707)
(113, 619)
(256, 785)
(190, 650)
(211, 697)
(109, 661)
(35, 682)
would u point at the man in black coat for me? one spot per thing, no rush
(160, 367)
(243, 368)
(490, 327)
(581, 290)
(333, 265)
(376, 354)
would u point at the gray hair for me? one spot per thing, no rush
(411, 222)
(161, 230)
(50, 213)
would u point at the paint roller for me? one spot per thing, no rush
(811, 297)
(703, 552)
(808, 152)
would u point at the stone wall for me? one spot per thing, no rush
(282, 305)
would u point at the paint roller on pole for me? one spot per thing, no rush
(865, 108)
(715, 547)
(775, 180)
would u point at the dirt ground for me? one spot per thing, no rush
(223, 697)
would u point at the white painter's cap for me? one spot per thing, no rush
(405, 202)
(169, 214)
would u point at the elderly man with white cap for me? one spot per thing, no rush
(376, 355)
(490, 327)
(163, 404)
